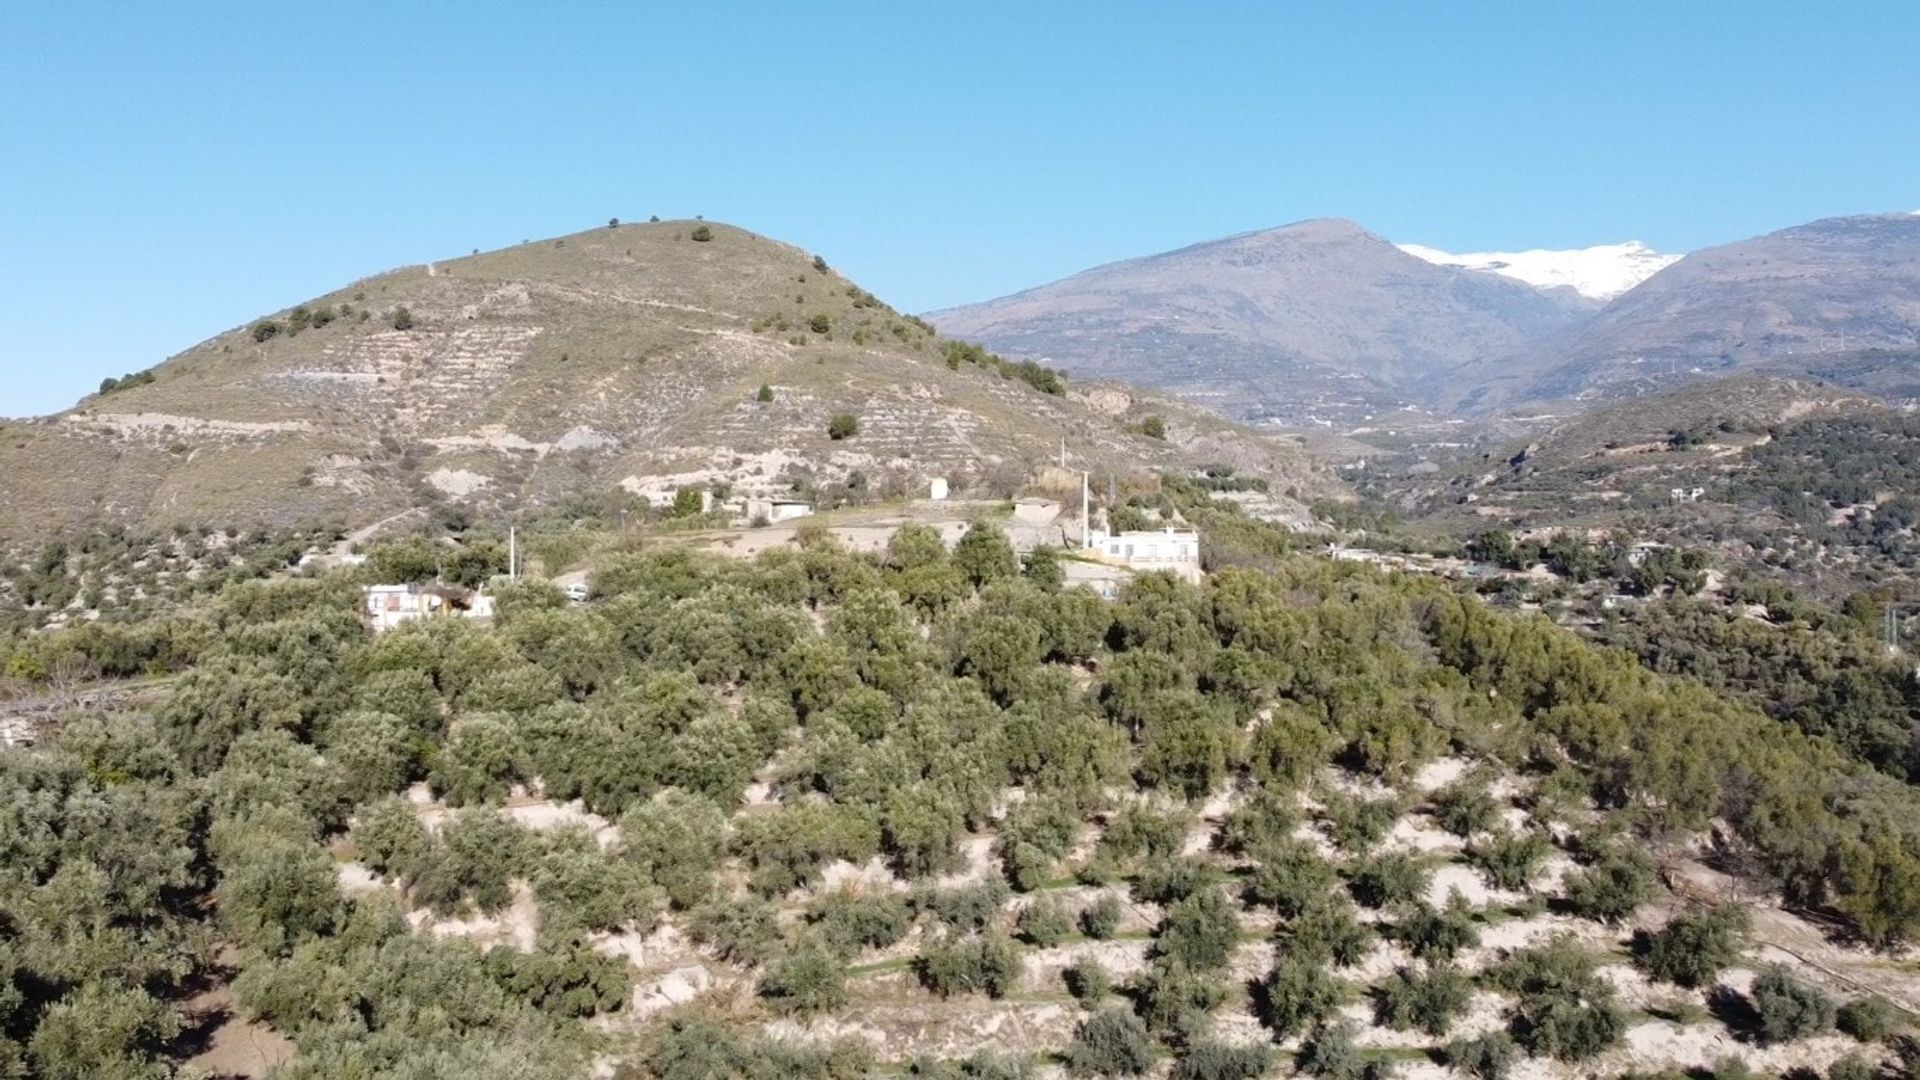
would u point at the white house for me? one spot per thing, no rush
(387, 606)
(1171, 550)
(776, 510)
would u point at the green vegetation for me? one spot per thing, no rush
(741, 727)
(843, 426)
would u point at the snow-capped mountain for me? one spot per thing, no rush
(1601, 272)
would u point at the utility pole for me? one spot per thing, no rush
(1086, 515)
(513, 554)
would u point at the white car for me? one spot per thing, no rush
(577, 592)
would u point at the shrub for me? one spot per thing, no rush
(1789, 1008)
(1110, 1043)
(1465, 808)
(1568, 1028)
(1209, 1059)
(1393, 878)
(1296, 994)
(1100, 919)
(1488, 1057)
(847, 923)
(1868, 1019)
(765, 394)
(820, 324)
(843, 426)
(701, 234)
(1429, 1002)
(1290, 878)
(986, 963)
(1201, 930)
(1692, 948)
(1087, 981)
(1509, 860)
(1612, 889)
(1440, 935)
(820, 263)
(401, 319)
(745, 932)
(265, 330)
(1332, 1054)
(966, 908)
(1154, 427)
(1852, 1067)
(806, 982)
(1045, 923)
(1329, 932)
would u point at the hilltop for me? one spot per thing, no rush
(1318, 321)
(631, 356)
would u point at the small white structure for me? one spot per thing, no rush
(1687, 495)
(1174, 551)
(388, 606)
(776, 510)
(937, 489)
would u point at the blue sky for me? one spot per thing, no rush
(175, 169)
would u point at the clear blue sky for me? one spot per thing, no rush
(171, 170)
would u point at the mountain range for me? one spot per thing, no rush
(1323, 322)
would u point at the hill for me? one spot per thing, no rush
(629, 356)
(1787, 301)
(1787, 477)
(1319, 321)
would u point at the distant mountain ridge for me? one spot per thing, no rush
(1324, 323)
(1319, 320)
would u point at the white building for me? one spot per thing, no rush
(776, 510)
(1174, 551)
(388, 606)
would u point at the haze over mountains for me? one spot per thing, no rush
(1323, 322)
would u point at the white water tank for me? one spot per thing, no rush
(937, 490)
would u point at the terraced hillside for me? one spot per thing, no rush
(923, 812)
(627, 355)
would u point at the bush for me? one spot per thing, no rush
(401, 319)
(1201, 931)
(765, 395)
(1612, 889)
(1440, 935)
(847, 923)
(843, 426)
(1154, 427)
(820, 324)
(1789, 1008)
(1852, 1067)
(1509, 860)
(806, 982)
(1045, 923)
(1332, 1054)
(1868, 1019)
(1100, 919)
(265, 330)
(1087, 981)
(1692, 948)
(986, 963)
(1429, 1002)
(1110, 1043)
(701, 234)
(1208, 1059)
(1297, 994)
(1465, 808)
(745, 932)
(966, 908)
(1488, 1057)
(1393, 878)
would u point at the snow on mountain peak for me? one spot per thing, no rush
(1601, 272)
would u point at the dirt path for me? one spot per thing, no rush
(360, 536)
